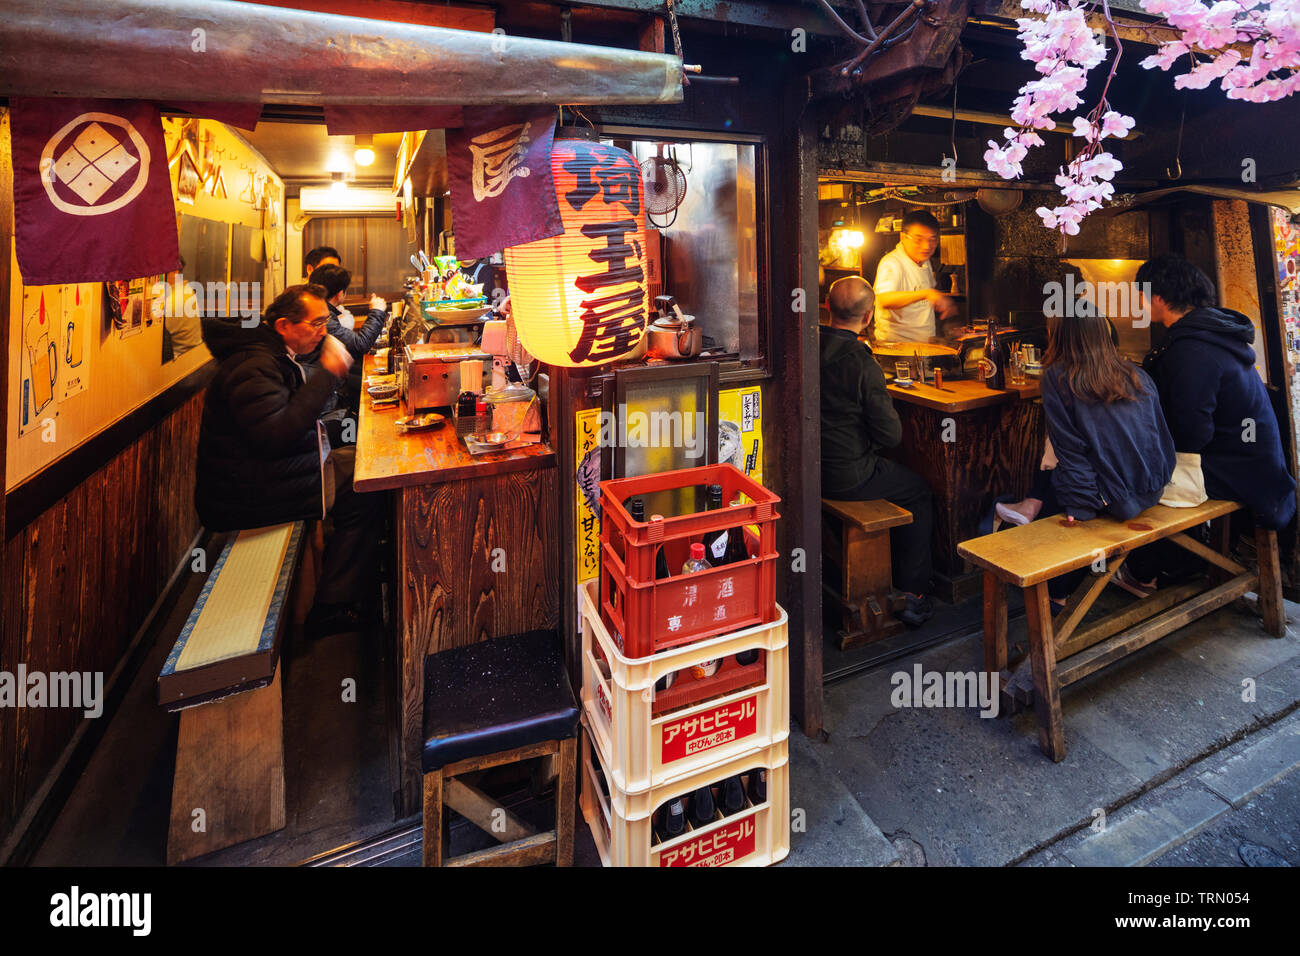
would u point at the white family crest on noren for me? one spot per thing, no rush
(94, 163)
(77, 909)
(946, 689)
(79, 691)
(498, 157)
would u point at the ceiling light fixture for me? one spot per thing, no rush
(364, 149)
(337, 182)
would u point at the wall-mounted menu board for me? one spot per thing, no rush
(205, 252)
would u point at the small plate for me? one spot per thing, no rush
(492, 439)
(415, 423)
(382, 392)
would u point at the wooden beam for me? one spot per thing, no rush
(481, 810)
(530, 851)
(1127, 616)
(930, 176)
(1077, 607)
(1125, 643)
(1209, 554)
(650, 38)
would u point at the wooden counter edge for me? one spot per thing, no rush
(471, 469)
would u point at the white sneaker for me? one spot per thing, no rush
(1009, 514)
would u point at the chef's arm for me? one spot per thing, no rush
(896, 300)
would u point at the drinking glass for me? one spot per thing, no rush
(1017, 368)
(902, 373)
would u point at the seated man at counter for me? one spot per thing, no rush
(260, 459)
(858, 420)
(906, 299)
(335, 280)
(320, 256)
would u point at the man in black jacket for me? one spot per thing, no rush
(858, 420)
(260, 451)
(335, 280)
(1213, 398)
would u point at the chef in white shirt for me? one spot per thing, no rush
(906, 299)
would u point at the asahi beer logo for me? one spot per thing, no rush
(80, 171)
(498, 157)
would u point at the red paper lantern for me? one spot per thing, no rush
(579, 299)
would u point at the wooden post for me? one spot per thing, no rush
(565, 801)
(1270, 582)
(432, 837)
(995, 625)
(1042, 658)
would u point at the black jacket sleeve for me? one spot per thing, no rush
(883, 425)
(358, 342)
(272, 417)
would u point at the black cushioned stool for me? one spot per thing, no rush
(497, 702)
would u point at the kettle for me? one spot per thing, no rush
(673, 335)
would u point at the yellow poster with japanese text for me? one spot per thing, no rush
(740, 429)
(587, 495)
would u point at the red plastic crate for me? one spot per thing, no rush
(646, 615)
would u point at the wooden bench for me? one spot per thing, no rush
(855, 546)
(1061, 651)
(222, 675)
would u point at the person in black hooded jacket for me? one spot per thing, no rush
(1213, 399)
(259, 458)
(858, 421)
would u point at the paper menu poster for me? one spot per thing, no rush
(74, 336)
(38, 363)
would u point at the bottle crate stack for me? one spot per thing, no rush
(686, 687)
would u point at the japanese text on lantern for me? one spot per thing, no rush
(613, 313)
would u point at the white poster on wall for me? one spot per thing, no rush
(74, 337)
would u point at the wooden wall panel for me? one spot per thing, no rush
(81, 579)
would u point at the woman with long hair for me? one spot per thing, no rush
(1113, 450)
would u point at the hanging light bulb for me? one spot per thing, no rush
(364, 149)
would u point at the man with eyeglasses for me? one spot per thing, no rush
(263, 457)
(906, 299)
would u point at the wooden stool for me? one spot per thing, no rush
(498, 702)
(855, 547)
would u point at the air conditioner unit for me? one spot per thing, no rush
(354, 199)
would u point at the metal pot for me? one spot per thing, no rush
(670, 339)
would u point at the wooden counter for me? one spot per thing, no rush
(388, 457)
(972, 444)
(477, 553)
(962, 395)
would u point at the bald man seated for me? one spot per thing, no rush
(858, 422)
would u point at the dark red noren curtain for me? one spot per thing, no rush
(502, 190)
(92, 197)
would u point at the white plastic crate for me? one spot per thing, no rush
(622, 824)
(643, 750)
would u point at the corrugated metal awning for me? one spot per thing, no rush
(220, 50)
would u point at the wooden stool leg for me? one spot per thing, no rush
(565, 793)
(432, 838)
(1042, 658)
(995, 626)
(1270, 583)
